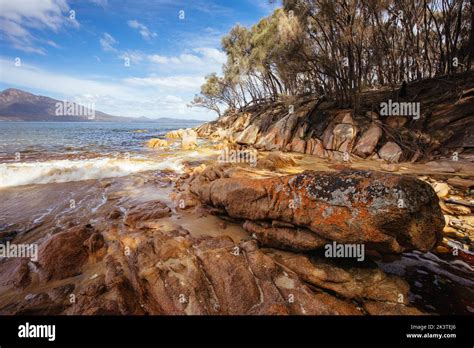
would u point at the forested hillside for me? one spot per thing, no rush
(338, 49)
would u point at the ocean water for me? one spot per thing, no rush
(47, 152)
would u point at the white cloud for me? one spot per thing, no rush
(146, 33)
(18, 18)
(107, 43)
(202, 59)
(182, 59)
(19, 37)
(150, 96)
(102, 3)
(135, 57)
(156, 58)
(52, 44)
(212, 54)
(173, 99)
(198, 61)
(182, 83)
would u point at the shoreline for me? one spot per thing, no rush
(161, 207)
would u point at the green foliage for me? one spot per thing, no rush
(339, 48)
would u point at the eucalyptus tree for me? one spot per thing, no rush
(340, 48)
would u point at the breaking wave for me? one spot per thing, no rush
(24, 173)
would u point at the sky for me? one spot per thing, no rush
(129, 57)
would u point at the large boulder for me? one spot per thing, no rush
(189, 139)
(151, 210)
(391, 152)
(360, 283)
(206, 129)
(157, 143)
(344, 136)
(174, 134)
(63, 255)
(387, 212)
(296, 145)
(248, 136)
(340, 135)
(368, 141)
(315, 147)
(275, 160)
(15, 273)
(221, 134)
(279, 134)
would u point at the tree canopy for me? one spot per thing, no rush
(338, 48)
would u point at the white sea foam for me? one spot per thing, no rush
(24, 173)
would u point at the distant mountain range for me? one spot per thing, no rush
(18, 105)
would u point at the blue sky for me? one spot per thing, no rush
(82, 55)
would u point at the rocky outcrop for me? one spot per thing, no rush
(157, 143)
(189, 139)
(389, 213)
(279, 134)
(175, 273)
(152, 210)
(456, 199)
(444, 126)
(64, 254)
(175, 134)
(294, 132)
(180, 274)
(140, 261)
(359, 283)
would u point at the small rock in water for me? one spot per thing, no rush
(156, 143)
